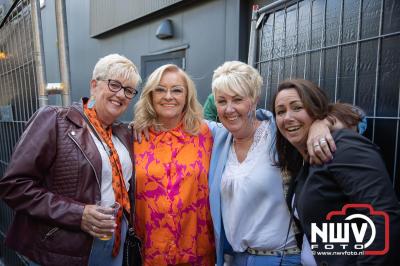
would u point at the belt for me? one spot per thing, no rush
(290, 251)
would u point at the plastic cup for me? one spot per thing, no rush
(107, 207)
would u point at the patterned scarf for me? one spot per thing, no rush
(120, 192)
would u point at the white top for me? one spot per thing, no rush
(254, 210)
(307, 257)
(107, 192)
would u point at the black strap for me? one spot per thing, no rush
(289, 199)
(94, 131)
(287, 234)
(132, 191)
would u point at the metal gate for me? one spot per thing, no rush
(18, 97)
(349, 47)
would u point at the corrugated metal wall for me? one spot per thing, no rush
(18, 98)
(351, 49)
(106, 15)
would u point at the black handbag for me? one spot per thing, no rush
(132, 253)
(132, 249)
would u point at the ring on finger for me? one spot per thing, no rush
(93, 227)
(322, 140)
(316, 144)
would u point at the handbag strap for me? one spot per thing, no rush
(132, 190)
(287, 234)
(96, 134)
(291, 206)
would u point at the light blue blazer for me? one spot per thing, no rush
(219, 156)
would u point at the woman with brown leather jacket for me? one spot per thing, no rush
(67, 159)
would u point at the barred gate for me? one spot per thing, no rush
(18, 98)
(351, 48)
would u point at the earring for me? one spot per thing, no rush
(91, 102)
(219, 123)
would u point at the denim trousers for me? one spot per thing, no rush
(247, 259)
(102, 249)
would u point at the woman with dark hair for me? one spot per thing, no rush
(356, 175)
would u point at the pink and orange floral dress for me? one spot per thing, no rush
(172, 208)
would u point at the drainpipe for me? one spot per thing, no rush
(63, 50)
(251, 59)
(38, 53)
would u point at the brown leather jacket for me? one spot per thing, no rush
(54, 171)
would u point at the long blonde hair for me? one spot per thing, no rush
(146, 116)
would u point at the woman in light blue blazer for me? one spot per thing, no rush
(247, 192)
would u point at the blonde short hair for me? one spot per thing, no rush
(239, 78)
(116, 66)
(146, 116)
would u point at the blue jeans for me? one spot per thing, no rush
(102, 249)
(247, 259)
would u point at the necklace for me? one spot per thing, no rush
(242, 146)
